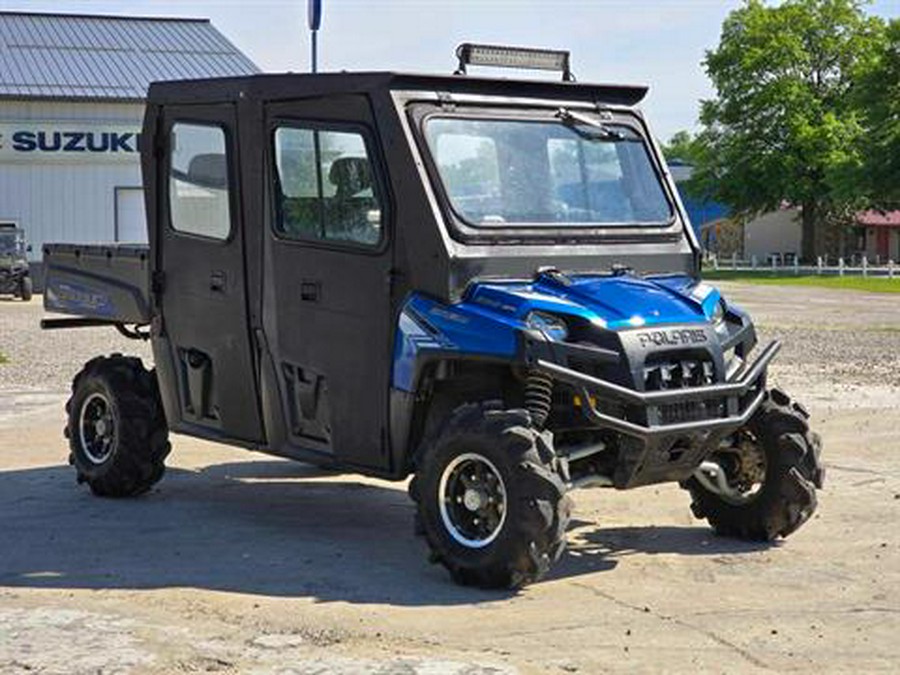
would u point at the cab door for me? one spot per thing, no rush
(205, 338)
(326, 299)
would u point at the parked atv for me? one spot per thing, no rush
(488, 284)
(14, 275)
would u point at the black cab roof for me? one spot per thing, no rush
(294, 85)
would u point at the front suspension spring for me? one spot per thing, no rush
(538, 396)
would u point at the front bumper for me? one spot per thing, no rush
(651, 447)
(736, 400)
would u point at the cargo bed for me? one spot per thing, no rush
(108, 282)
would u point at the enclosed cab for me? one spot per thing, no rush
(488, 284)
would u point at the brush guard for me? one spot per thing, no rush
(656, 449)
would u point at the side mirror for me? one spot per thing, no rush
(28, 248)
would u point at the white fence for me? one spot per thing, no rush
(839, 267)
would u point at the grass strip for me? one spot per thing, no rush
(847, 283)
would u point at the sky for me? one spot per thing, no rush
(660, 43)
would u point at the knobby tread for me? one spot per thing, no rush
(142, 445)
(538, 508)
(794, 471)
(26, 289)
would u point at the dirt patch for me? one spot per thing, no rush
(241, 563)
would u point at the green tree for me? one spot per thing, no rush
(879, 96)
(784, 125)
(693, 150)
(684, 146)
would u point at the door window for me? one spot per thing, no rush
(198, 181)
(325, 187)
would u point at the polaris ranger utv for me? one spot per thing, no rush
(15, 278)
(487, 284)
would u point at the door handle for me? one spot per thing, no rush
(217, 281)
(310, 291)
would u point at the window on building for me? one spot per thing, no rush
(325, 188)
(198, 181)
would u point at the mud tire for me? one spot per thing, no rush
(26, 288)
(532, 536)
(134, 460)
(794, 471)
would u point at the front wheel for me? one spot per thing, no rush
(26, 288)
(769, 475)
(492, 508)
(117, 430)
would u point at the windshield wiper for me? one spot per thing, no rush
(576, 121)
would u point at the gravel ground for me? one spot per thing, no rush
(48, 359)
(834, 341)
(839, 348)
(238, 563)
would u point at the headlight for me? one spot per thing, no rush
(552, 327)
(718, 315)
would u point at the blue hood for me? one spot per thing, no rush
(614, 302)
(489, 318)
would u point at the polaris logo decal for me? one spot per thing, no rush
(70, 296)
(678, 337)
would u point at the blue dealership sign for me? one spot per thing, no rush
(66, 140)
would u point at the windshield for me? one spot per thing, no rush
(498, 172)
(11, 244)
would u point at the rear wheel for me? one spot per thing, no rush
(26, 288)
(769, 475)
(116, 427)
(490, 504)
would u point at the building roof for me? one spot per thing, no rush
(879, 218)
(77, 56)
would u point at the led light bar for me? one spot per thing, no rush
(525, 58)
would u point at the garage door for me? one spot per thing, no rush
(131, 220)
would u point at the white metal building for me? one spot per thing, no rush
(72, 89)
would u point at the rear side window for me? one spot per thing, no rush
(325, 188)
(198, 181)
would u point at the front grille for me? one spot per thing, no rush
(691, 411)
(678, 374)
(681, 374)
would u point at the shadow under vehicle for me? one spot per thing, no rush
(488, 284)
